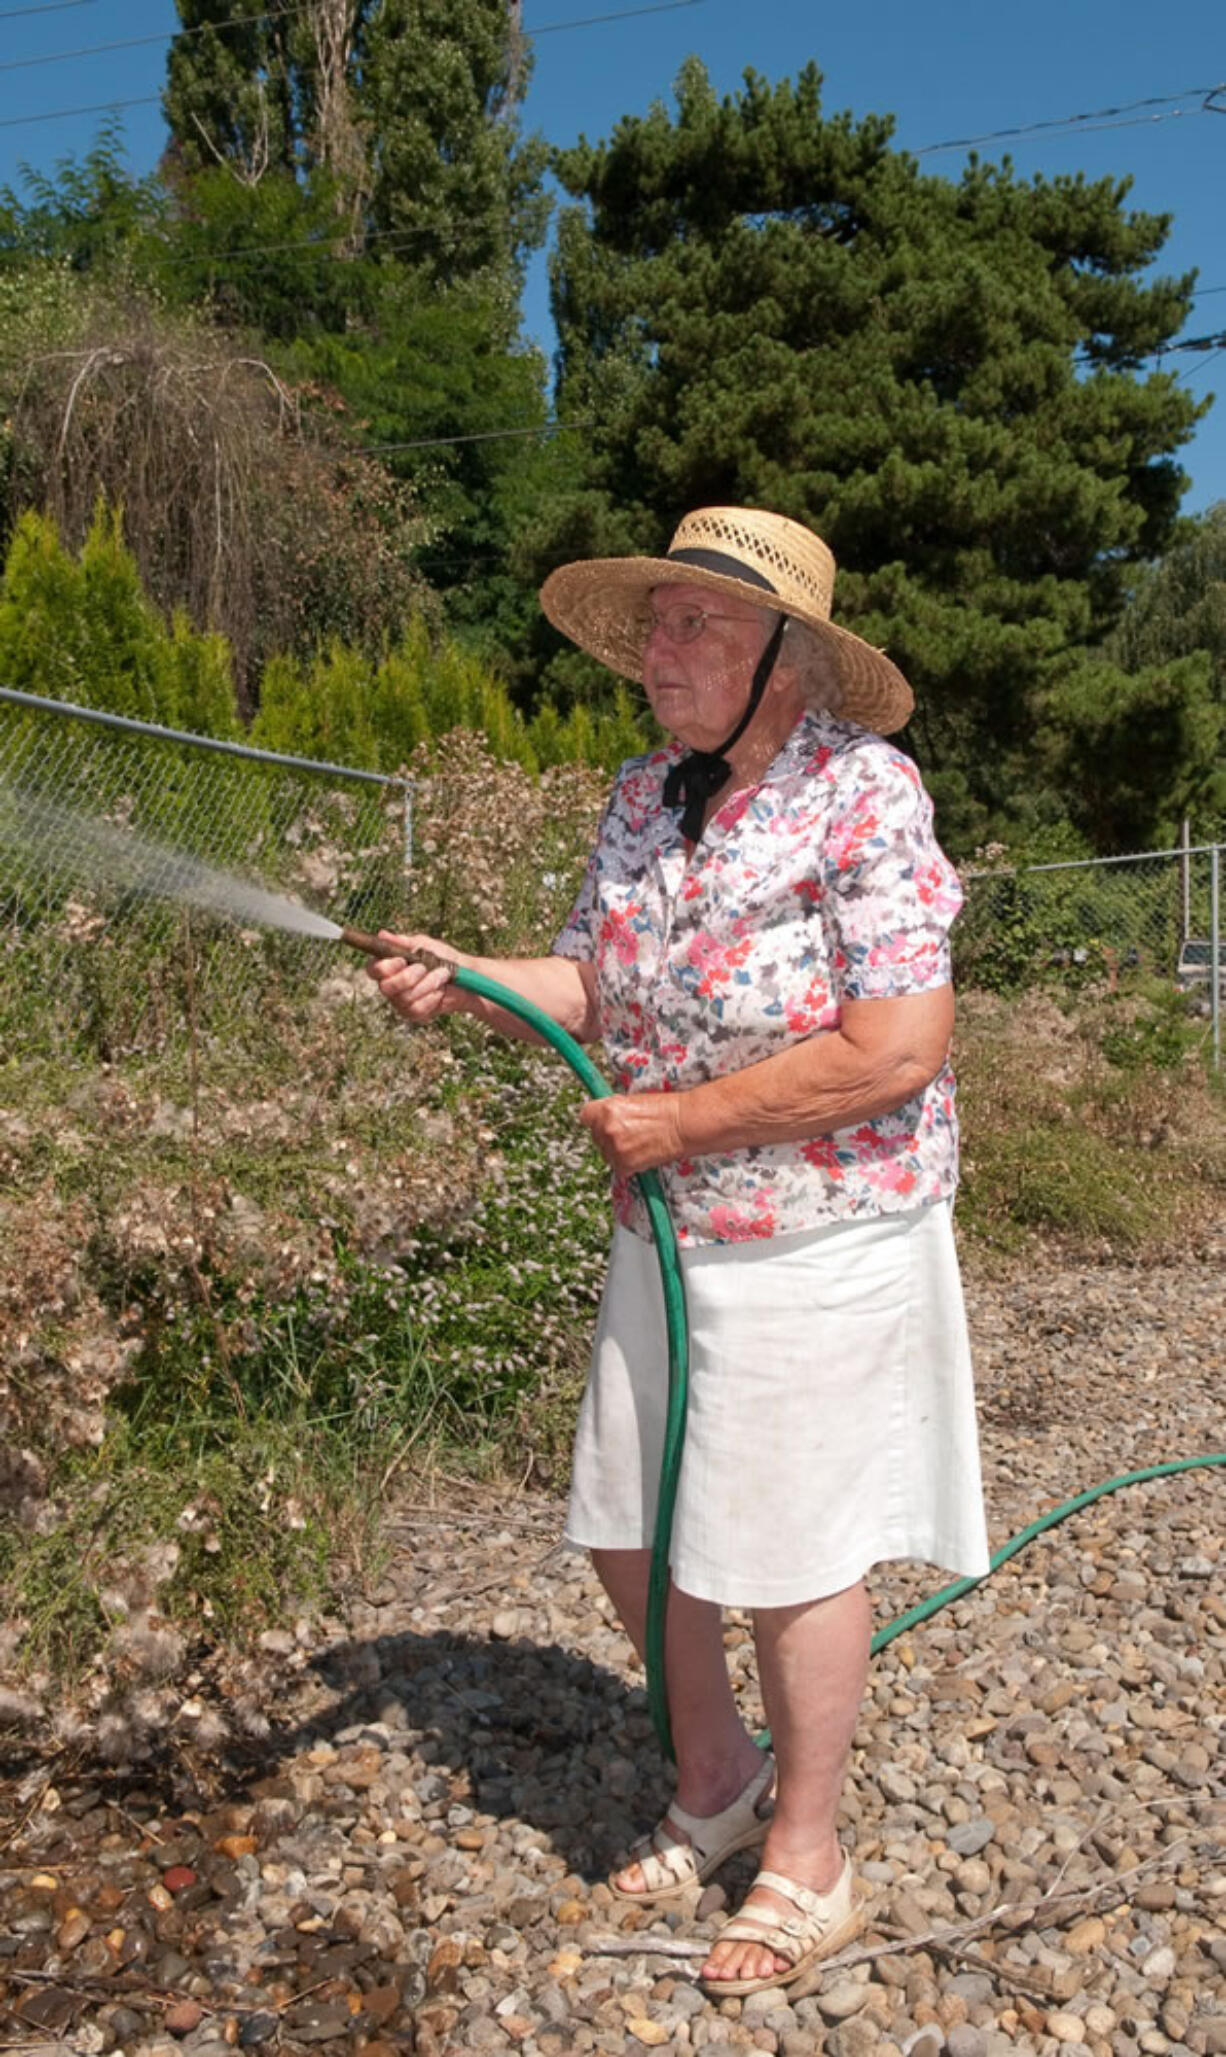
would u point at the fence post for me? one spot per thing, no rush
(1215, 953)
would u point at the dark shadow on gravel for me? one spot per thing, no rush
(532, 1732)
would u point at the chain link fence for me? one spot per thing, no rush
(1156, 915)
(76, 783)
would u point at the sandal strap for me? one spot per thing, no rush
(787, 1939)
(815, 1906)
(708, 1832)
(668, 1862)
(663, 1859)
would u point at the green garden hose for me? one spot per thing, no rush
(665, 1238)
(678, 1362)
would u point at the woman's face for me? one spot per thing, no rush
(699, 690)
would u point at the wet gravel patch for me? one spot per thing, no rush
(407, 1851)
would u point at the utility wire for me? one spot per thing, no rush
(391, 239)
(591, 21)
(1100, 116)
(139, 42)
(1187, 371)
(47, 7)
(1188, 343)
(548, 428)
(16, 121)
(551, 28)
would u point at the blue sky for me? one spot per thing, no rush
(946, 70)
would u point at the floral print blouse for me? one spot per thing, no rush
(823, 883)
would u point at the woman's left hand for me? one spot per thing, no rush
(635, 1131)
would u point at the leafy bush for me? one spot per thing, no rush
(344, 708)
(82, 629)
(1068, 926)
(1157, 1036)
(277, 533)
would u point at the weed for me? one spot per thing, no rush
(1156, 1034)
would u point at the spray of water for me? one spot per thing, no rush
(57, 839)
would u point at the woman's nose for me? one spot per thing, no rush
(657, 648)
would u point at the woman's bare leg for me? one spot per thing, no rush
(716, 1756)
(812, 1663)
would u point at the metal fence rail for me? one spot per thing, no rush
(333, 837)
(1156, 914)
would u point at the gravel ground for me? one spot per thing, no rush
(407, 1851)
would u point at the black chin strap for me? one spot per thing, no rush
(698, 776)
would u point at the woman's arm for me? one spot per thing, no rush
(563, 987)
(882, 1053)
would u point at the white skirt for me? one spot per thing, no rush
(831, 1417)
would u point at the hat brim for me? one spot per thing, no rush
(604, 605)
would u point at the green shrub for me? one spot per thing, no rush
(82, 629)
(1157, 1037)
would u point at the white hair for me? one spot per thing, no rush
(815, 665)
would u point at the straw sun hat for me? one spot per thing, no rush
(604, 603)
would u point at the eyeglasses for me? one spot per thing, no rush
(682, 624)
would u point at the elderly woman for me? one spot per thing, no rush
(760, 945)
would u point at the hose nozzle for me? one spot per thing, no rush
(377, 946)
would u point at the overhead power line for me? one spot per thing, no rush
(166, 36)
(16, 121)
(548, 428)
(246, 21)
(1100, 116)
(591, 21)
(47, 7)
(1188, 343)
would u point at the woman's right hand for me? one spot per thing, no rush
(416, 991)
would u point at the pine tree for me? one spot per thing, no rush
(762, 305)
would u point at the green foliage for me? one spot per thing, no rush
(1178, 605)
(1156, 1036)
(413, 131)
(1000, 942)
(91, 215)
(1056, 1176)
(1138, 752)
(375, 716)
(266, 1505)
(1094, 1122)
(1064, 925)
(373, 216)
(82, 629)
(1177, 611)
(762, 305)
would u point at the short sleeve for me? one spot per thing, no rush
(577, 936)
(890, 894)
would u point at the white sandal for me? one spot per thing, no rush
(669, 1865)
(823, 1922)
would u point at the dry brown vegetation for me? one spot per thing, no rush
(245, 1279)
(241, 504)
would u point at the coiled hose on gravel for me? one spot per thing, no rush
(665, 1239)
